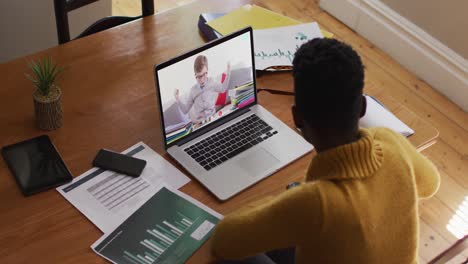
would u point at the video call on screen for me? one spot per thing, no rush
(196, 92)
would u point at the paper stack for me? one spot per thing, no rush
(275, 47)
(379, 116)
(276, 37)
(254, 16)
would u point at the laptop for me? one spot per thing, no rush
(212, 123)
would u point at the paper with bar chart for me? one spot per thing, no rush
(168, 228)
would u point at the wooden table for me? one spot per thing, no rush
(109, 101)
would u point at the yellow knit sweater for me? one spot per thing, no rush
(359, 204)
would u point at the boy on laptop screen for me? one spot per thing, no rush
(202, 88)
(211, 122)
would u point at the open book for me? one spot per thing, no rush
(379, 116)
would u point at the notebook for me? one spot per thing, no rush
(254, 16)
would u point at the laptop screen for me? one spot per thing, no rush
(206, 85)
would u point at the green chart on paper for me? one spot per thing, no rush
(280, 53)
(166, 229)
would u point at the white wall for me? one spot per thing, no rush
(447, 21)
(28, 26)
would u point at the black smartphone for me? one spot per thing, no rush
(121, 163)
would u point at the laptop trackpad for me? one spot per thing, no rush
(257, 162)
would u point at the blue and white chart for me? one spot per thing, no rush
(107, 198)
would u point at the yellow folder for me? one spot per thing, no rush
(255, 16)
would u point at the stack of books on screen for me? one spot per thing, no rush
(178, 133)
(242, 95)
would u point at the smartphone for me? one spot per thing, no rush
(121, 163)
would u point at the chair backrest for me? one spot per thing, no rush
(62, 7)
(457, 248)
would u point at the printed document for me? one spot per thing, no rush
(168, 228)
(379, 116)
(277, 46)
(108, 198)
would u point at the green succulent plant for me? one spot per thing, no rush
(44, 74)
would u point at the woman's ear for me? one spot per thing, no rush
(363, 106)
(297, 117)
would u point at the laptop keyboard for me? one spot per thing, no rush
(231, 141)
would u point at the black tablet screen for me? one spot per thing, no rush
(36, 165)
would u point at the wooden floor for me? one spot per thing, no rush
(450, 153)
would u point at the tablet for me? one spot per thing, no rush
(36, 165)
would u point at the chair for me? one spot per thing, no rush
(457, 248)
(62, 7)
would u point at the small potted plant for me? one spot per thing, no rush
(47, 95)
